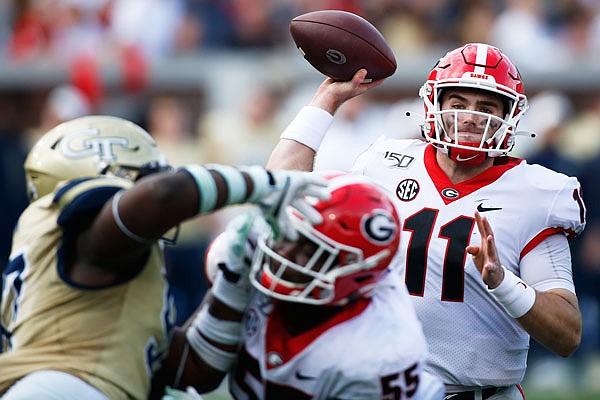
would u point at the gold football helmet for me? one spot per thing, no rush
(90, 146)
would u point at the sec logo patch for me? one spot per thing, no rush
(407, 189)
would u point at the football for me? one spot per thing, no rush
(339, 43)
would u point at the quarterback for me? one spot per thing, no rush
(484, 254)
(86, 312)
(323, 316)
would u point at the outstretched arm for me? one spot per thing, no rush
(551, 317)
(118, 240)
(301, 139)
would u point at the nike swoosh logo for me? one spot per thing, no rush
(481, 208)
(302, 377)
(459, 158)
(448, 397)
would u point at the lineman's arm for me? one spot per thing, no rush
(203, 350)
(118, 240)
(183, 367)
(551, 317)
(301, 139)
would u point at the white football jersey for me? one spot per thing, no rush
(374, 349)
(471, 339)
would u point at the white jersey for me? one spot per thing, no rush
(472, 341)
(374, 349)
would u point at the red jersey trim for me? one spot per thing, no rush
(442, 182)
(280, 341)
(539, 238)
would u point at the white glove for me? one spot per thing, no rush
(292, 188)
(228, 262)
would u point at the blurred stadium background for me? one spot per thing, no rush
(217, 81)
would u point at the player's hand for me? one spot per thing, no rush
(230, 251)
(238, 254)
(293, 188)
(228, 261)
(485, 256)
(332, 94)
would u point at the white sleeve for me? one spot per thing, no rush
(548, 265)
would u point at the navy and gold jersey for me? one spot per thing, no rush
(111, 337)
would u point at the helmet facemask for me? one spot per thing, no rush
(317, 282)
(479, 67)
(496, 133)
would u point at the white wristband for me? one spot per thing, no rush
(217, 330)
(514, 295)
(309, 127)
(207, 188)
(212, 355)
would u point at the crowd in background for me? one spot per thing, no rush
(58, 30)
(539, 35)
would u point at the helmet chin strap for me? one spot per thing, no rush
(467, 156)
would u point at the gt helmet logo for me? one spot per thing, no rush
(85, 143)
(379, 227)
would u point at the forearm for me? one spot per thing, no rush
(551, 317)
(290, 154)
(183, 367)
(301, 140)
(135, 218)
(554, 321)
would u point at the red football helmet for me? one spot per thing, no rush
(476, 66)
(341, 258)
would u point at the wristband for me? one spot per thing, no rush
(262, 182)
(237, 189)
(514, 295)
(217, 330)
(207, 188)
(309, 127)
(212, 355)
(236, 184)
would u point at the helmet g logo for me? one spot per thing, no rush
(379, 227)
(87, 143)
